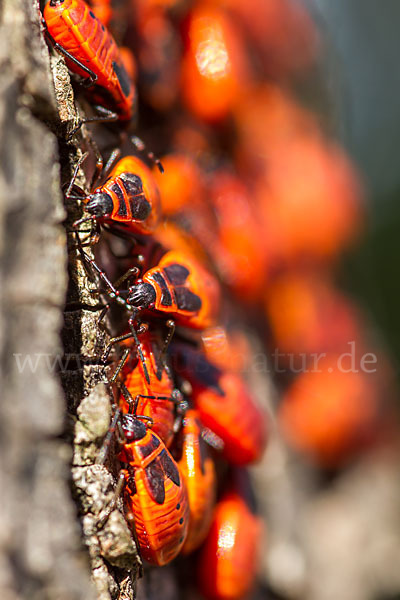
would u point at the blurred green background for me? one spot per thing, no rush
(363, 81)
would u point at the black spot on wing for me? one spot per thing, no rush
(176, 274)
(169, 467)
(132, 183)
(123, 78)
(186, 300)
(155, 481)
(140, 206)
(166, 299)
(147, 449)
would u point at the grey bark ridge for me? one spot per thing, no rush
(42, 556)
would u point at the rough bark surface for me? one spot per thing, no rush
(41, 551)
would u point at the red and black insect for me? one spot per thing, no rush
(129, 198)
(225, 406)
(198, 471)
(155, 494)
(180, 287)
(91, 52)
(150, 387)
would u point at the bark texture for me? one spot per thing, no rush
(43, 430)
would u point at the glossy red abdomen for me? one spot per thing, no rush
(225, 406)
(155, 494)
(233, 415)
(198, 471)
(228, 559)
(213, 68)
(74, 26)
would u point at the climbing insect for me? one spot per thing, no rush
(154, 491)
(129, 199)
(91, 52)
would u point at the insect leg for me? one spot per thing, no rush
(171, 330)
(107, 116)
(141, 146)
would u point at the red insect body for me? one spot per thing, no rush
(129, 198)
(74, 26)
(226, 349)
(232, 414)
(226, 407)
(240, 254)
(198, 471)
(173, 237)
(228, 559)
(103, 10)
(155, 493)
(180, 287)
(159, 409)
(213, 68)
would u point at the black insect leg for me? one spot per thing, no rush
(141, 146)
(105, 116)
(171, 330)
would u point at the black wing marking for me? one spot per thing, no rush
(155, 481)
(166, 299)
(147, 449)
(123, 78)
(122, 210)
(186, 300)
(169, 467)
(140, 206)
(176, 274)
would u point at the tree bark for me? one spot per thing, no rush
(42, 429)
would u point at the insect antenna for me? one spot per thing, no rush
(141, 146)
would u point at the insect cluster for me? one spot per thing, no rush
(233, 206)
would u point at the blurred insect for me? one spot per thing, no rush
(228, 559)
(225, 406)
(129, 61)
(213, 68)
(331, 413)
(180, 287)
(182, 184)
(157, 45)
(91, 52)
(226, 349)
(185, 200)
(240, 252)
(173, 237)
(198, 471)
(154, 491)
(103, 10)
(128, 199)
